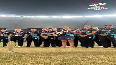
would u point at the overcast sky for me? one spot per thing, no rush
(54, 7)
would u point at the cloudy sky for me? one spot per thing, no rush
(54, 7)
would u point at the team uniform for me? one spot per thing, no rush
(76, 38)
(96, 39)
(66, 35)
(58, 42)
(88, 41)
(33, 36)
(112, 36)
(104, 40)
(50, 40)
(4, 37)
(18, 36)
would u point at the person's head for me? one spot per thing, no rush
(77, 29)
(18, 30)
(43, 29)
(66, 27)
(54, 29)
(111, 26)
(33, 30)
(3, 30)
(50, 29)
(89, 26)
(106, 26)
(96, 28)
(86, 26)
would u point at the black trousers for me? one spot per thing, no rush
(87, 41)
(112, 39)
(76, 41)
(109, 42)
(35, 40)
(58, 42)
(83, 41)
(50, 40)
(46, 42)
(40, 41)
(5, 40)
(97, 40)
(19, 39)
(105, 41)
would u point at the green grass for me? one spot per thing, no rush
(24, 44)
(1, 44)
(58, 56)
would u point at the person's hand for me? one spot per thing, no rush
(8, 37)
(83, 35)
(75, 33)
(23, 37)
(103, 34)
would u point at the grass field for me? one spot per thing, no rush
(58, 56)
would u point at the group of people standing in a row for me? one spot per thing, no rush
(104, 37)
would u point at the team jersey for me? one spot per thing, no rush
(112, 31)
(67, 33)
(77, 32)
(18, 34)
(4, 34)
(85, 31)
(104, 31)
(32, 34)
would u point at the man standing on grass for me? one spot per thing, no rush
(112, 35)
(33, 35)
(104, 40)
(87, 36)
(18, 35)
(4, 35)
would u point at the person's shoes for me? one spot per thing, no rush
(4, 46)
(100, 46)
(71, 47)
(67, 46)
(104, 47)
(27, 46)
(63, 47)
(19, 46)
(89, 47)
(83, 47)
(113, 47)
